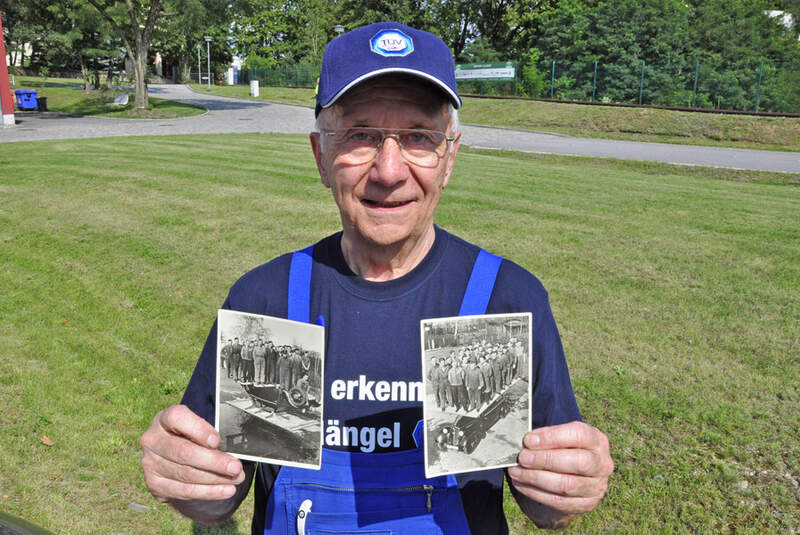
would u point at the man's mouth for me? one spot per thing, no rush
(384, 204)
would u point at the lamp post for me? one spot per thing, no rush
(208, 58)
(199, 69)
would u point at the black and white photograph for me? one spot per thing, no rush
(269, 389)
(477, 406)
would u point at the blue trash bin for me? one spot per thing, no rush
(26, 99)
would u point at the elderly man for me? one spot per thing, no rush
(386, 143)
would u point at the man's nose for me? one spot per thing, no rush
(390, 165)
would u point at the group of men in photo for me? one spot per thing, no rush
(260, 362)
(472, 376)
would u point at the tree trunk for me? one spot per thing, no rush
(184, 68)
(140, 71)
(84, 73)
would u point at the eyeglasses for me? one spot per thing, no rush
(359, 145)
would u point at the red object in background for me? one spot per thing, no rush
(5, 88)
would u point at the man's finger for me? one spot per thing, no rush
(180, 420)
(564, 461)
(569, 435)
(169, 489)
(566, 504)
(163, 468)
(558, 483)
(181, 451)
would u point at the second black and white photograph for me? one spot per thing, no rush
(477, 405)
(269, 389)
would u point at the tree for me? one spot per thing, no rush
(730, 39)
(62, 34)
(533, 78)
(261, 30)
(511, 26)
(455, 23)
(81, 35)
(355, 13)
(19, 27)
(314, 21)
(178, 36)
(134, 21)
(619, 34)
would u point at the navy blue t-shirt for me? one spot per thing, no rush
(373, 368)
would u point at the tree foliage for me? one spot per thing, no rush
(134, 22)
(179, 35)
(60, 35)
(728, 39)
(619, 35)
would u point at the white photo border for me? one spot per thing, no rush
(528, 316)
(320, 333)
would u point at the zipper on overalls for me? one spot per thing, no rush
(427, 488)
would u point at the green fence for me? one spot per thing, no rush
(282, 76)
(761, 86)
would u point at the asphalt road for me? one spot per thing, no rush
(229, 115)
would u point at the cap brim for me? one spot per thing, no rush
(454, 99)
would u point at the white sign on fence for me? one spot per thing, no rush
(486, 71)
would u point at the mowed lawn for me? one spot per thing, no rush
(677, 296)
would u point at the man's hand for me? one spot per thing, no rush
(181, 461)
(564, 467)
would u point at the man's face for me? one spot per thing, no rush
(386, 201)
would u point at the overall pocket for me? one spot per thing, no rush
(321, 509)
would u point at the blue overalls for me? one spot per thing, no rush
(370, 493)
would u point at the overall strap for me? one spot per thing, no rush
(480, 285)
(475, 300)
(299, 302)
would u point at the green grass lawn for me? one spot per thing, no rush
(66, 96)
(635, 124)
(676, 294)
(286, 95)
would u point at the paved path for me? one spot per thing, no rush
(225, 115)
(228, 115)
(764, 160)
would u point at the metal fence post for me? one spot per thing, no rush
(758, 87)
(641, 84)
(552, 78)
(594, 81)
(694, 90)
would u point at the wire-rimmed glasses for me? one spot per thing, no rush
(359, 145)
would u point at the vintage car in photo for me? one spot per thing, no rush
(466, 432)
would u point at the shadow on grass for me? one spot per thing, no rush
(63, 85)
(231, 527)
(96, 104)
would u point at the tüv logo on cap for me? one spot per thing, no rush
(392, 43)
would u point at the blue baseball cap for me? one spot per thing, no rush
(384, 48)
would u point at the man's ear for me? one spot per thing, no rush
(319, 156)
(451, 158)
